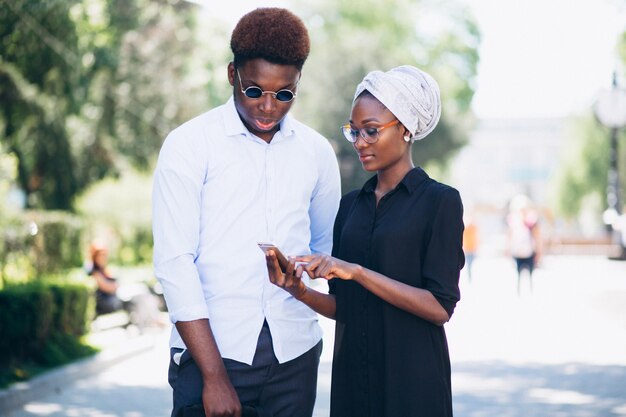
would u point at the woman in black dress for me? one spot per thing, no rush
(397, 255)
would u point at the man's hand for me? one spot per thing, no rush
(219, 398)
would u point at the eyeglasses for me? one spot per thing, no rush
(255, 92)
(369, 134)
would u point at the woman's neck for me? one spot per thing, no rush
(389, 178)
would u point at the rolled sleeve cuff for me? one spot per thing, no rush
(190, 313)
(447, 304)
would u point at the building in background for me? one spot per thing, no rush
(507, 157)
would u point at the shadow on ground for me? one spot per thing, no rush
(114, 400)
(498, 389)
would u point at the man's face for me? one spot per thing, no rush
(262, 116)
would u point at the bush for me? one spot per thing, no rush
(57, 243)
(25, 321)
(118, 211)
(36, 244)
(41, 325)
(136, 247)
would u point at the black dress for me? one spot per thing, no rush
(387, 362)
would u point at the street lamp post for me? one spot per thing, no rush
(610, 110)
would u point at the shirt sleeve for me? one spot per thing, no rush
(324, 201)
(177, 186)
(444, 254)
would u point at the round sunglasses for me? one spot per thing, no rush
(255, 92)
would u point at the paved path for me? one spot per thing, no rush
(559, 350)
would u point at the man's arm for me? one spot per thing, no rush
(325, 201)
(176, 204)
(219, 398)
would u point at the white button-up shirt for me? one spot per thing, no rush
(218, 190)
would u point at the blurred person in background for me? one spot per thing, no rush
(397, 256)
(107, 300)
(470, 244)
(243, 173)
(136, 298)
(523, 237)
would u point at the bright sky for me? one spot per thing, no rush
(539, 58)
(544, 58)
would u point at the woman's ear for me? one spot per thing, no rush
(407, 135)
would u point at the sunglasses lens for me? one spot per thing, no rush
(253, 92)
(284, 95)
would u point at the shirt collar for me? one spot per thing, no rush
(410, 182)
(234, 126)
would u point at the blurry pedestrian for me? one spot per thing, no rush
(524, 237)
(141, 305)
(397, 256)
(107, 285)
(242, 173)
(470, 244)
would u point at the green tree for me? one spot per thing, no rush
(90, 85)
(583, 175)
(38, 89)
(350, 38)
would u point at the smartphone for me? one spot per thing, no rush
(282, 259)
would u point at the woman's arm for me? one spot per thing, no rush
(107, 286)
(291, 281)
(417, 301)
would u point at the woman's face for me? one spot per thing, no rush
(391, 148)
(100, 258)
(262, 116)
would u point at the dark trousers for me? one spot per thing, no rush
(280, 390)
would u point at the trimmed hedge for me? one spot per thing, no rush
(39, 243)
(41, 325)
(56, 244)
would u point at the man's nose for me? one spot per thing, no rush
(268, 103)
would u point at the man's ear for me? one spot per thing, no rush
(231, 73)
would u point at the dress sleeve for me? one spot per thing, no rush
(444, 254)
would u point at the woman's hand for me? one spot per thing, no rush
(327, 267)
(291, 280)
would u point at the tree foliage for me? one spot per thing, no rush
(584, 170)
(351, 38)
(89, 84)
(584, 173)
(90, 87)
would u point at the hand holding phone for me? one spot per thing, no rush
(282, 259)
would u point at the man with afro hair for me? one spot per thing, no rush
(243, 173)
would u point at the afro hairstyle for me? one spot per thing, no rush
(271, 33)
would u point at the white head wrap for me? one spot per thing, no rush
(410, 94)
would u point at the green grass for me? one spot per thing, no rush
(63, 350)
